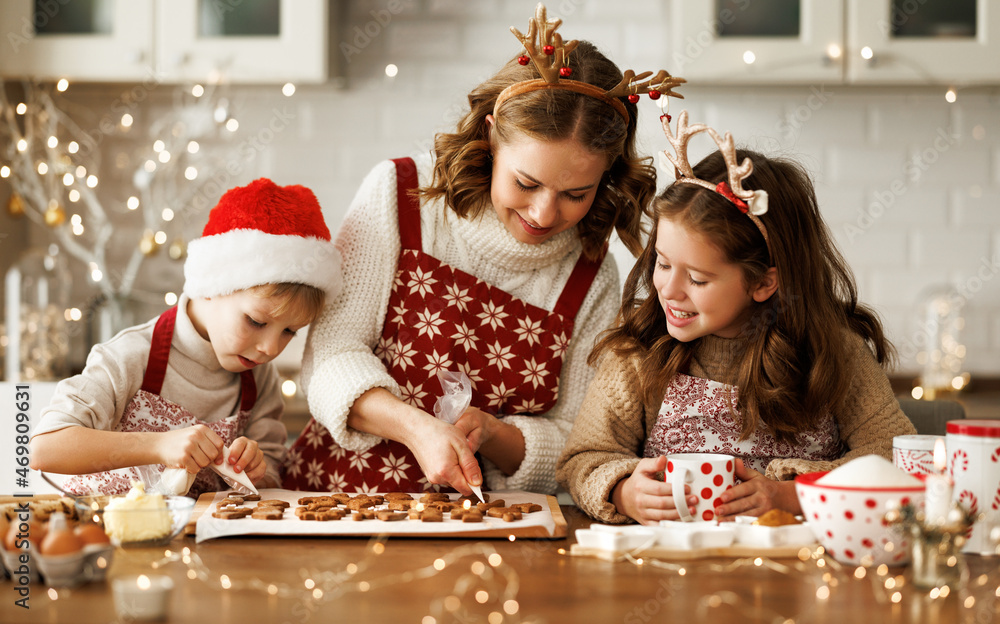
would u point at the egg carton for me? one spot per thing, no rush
(88, 565)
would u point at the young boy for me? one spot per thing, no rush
(175, 391)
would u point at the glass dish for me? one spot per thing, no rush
(138, 527)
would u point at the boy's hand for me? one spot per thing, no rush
(245, 456)
(647, 499)
(755, 495)
(191, 448)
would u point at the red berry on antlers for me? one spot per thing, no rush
(523, 60)
(565, 72)
(550, 50)
(633, 98)
(667, 117)
(654, 94)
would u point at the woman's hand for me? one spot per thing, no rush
(756, 495)
(647, 499)
(492, 438)
(443, 453)
(191, 448)
(245, 456)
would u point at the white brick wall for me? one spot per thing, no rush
(933, 167)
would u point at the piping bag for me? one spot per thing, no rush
(177, 481)
(452, 404)
(239, 481)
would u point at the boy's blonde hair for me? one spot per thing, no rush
(301, 301)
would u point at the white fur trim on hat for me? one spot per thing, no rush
(239, 259)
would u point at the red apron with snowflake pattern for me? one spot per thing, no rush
(148, 411)
(698, 416)
(442, 319)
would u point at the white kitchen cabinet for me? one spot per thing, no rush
(757, 41)
(238, 41)
(946, 42)
(94, 40)
(274, 41)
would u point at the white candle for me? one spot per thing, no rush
(142, 597)
(939, 489)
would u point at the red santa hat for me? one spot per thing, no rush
(259, 234)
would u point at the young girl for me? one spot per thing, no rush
(739, 333)
(495, 268)
(176, 390)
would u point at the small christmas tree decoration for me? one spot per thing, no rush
(15, 205)
(55, 214)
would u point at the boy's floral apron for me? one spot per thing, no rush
(442, 319)
(148, 411)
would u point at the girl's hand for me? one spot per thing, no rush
(647, 499)
(443, 454)
(756, 495)
(191, 448)
(245, 456)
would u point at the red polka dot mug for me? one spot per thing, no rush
(707, 474)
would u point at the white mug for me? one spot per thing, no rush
(914, 454)
(708, 474)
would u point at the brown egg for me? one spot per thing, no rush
(60, 539)
(91, 533)
(35, 534)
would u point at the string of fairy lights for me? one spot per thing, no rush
(488, 584)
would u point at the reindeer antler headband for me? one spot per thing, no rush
(545, 48)
(750, 202)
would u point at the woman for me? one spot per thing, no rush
(495, 267)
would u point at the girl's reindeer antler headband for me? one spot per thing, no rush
(545, 48)
(751, 203)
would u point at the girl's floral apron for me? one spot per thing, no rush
(442, 319)
(697, 416)
(148, 411)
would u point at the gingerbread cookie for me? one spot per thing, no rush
(430, 497)
(273, 502)
(527, 507)
(484, 507)
(232, 514)
(504, 512)
(267, 513)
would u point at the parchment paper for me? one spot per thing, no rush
(208, 527)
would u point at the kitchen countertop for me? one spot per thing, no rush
(270, 579)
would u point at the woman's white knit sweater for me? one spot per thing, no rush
(340, 364)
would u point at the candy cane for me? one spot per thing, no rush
(973, 506)
(996, 455)
(996, 499)
(954, 459)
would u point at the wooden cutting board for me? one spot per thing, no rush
(403, 528)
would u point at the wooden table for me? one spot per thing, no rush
(546, 584)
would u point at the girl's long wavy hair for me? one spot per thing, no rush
(463, 166)
(792, 369)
